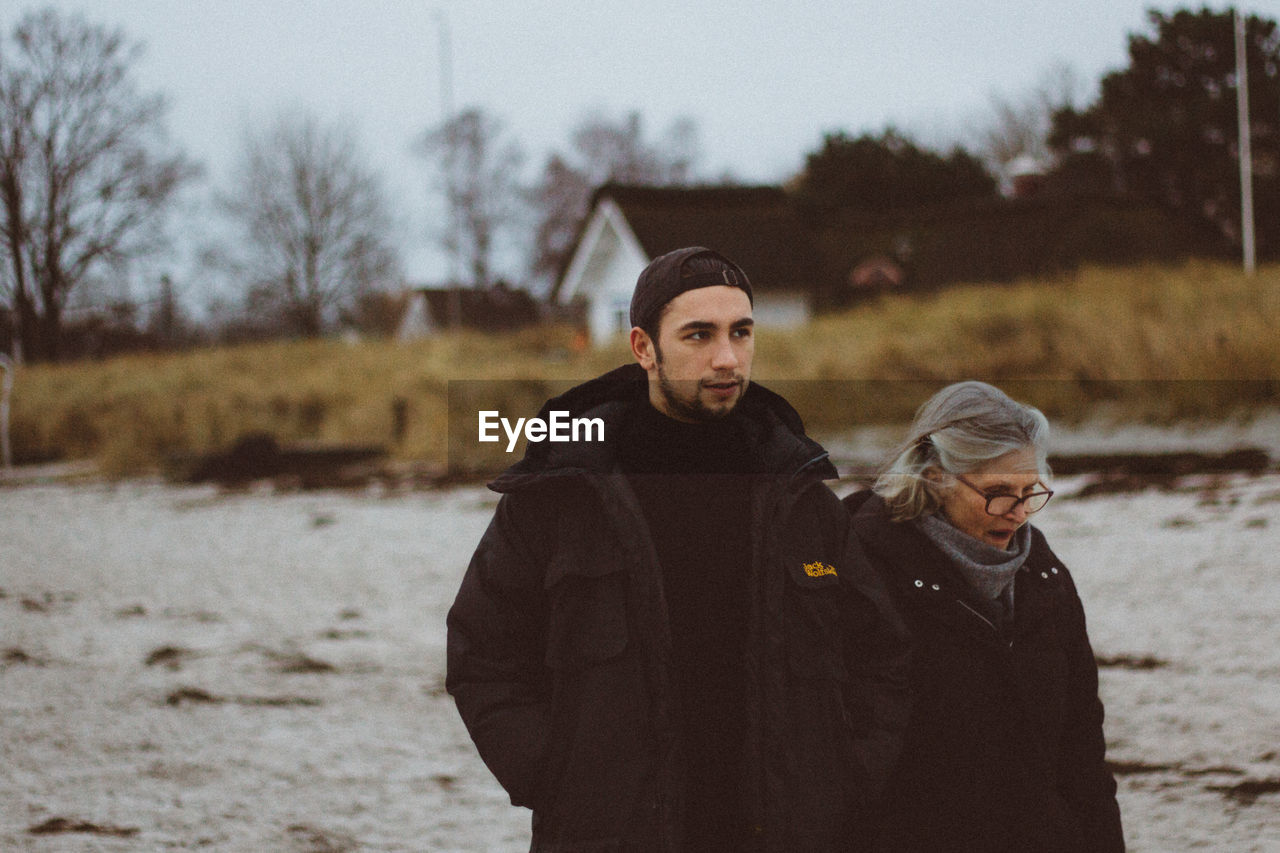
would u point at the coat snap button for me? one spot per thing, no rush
(1044, 575)
(936, 587)
(1054, 570)
(919, 584)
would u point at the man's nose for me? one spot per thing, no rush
(724, 357)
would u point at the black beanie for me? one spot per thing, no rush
(665, 278)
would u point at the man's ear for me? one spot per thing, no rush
(642, 348)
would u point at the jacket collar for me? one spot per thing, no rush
(922, 576)
(916, 562)
(776, 429)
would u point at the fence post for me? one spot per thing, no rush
(6, 452)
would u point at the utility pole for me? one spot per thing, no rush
(16, 331)
(6, 451)
(1245, 145)
(446, 67)
(450, 180)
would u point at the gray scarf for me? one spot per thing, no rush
(986, 568)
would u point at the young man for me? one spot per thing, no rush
(667, 640)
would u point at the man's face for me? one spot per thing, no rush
(700, 365)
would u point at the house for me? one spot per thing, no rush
(800, 262)
(496, 308)
(628, 226)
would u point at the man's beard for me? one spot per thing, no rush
(693, 408)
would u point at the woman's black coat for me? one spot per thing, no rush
(1004, 750)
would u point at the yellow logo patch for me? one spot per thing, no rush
(817, 570)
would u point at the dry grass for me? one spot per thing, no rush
(1155, 343)
(131, 412)
(1198, 321)
(1158, 342)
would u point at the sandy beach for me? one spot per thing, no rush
(188, 669)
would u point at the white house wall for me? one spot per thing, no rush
(604, 272)
(611, 307)
(416, 322)
(780, 310)
(608, 260)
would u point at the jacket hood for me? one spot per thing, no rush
(777, 431)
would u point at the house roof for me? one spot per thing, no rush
(755, 226)
(496, 307)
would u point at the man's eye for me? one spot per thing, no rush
(742, 333)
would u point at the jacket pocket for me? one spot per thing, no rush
(813, 620)
(588, 612)
(820, 771)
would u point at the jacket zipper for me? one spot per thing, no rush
(990, 624)
(815, 460)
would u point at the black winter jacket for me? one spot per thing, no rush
(1004, 752)
(559, 648)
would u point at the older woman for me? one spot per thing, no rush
(1004, 751)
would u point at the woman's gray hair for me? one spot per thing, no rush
(957, 430)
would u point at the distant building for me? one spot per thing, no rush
(430, 309)
(1027, 176)
(628, 226)
(877, 274)
(800, 263)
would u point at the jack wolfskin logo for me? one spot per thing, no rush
(817, 570)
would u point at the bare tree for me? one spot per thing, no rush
(314, 221)
(617, 151)
(603, 150)
(86, 172)
(560, 199)
(478, 169)
(1018, 127)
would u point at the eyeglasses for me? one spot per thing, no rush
(1005, 504)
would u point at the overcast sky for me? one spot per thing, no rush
(763, 80)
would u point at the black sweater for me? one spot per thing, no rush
(692, 481)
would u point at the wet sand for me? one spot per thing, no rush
(186, 669)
